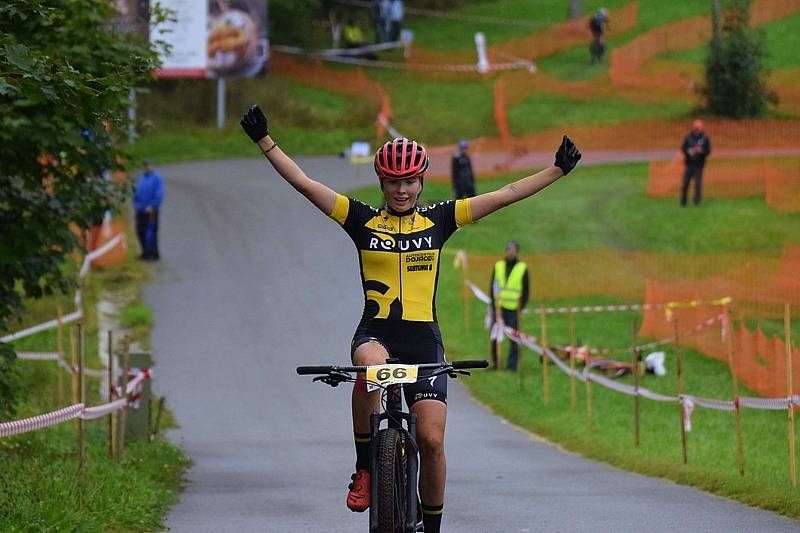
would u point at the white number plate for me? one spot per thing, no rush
(390, 375)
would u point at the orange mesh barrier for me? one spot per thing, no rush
(759, 361)
(759, 283)
(625, 63)
(537, 45)
(562, 36)
(759, 286)
(734, 178)
(349, 82)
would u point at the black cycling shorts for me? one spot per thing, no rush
(412, 343)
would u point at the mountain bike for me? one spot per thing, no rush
(394, 453)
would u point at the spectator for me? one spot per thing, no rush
(380, 13)
(696, 147)
(509, 290)
(395, 19)
(463, 178)
(147, 203)
(353, 35)
(597, 25)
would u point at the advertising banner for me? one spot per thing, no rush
(213, 38)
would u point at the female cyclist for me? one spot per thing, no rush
(399, 250)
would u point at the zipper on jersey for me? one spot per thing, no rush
(400, 263)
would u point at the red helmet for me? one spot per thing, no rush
(400, 159)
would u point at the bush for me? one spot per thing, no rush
(9, 382)
(735, 72)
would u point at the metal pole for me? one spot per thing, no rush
(787, 329)
(220, 103)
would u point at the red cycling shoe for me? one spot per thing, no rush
(358, 497)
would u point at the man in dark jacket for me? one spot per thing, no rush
(696, 147)
(463, 178)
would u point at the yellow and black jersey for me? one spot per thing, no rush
(399, 254)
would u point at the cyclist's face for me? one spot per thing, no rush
(401, 195)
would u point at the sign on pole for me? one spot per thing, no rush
(212, 38)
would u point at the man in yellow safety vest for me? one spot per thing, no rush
(509, 290)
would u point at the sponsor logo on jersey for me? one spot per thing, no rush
(382, 241)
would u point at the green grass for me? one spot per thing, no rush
(606, 207)
(541, 112)
(780, 40)
(614, 212)
(38, 474)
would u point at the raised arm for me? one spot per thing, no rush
(567, 157)
(254, 124)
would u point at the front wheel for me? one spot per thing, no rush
(392, 479)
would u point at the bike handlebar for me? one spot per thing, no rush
(327, 369)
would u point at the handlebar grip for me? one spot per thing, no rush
(308, 370)
(457, 365)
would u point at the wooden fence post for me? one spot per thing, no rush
(82, 399)
(735, 385)
(111, 394)
(573, 388)
(545, 359)
(60, 350)
(635, 370)
(123, 413)
(681, 411)
(787, 330)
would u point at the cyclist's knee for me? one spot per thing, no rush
(431, 444)
(371, 352)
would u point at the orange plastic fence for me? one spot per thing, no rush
(534, 46)
(626, 62)
(349, 82)
(758, 285)
(563, 36)
(734, 178)
(759, 361)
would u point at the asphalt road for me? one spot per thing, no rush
(253, 282)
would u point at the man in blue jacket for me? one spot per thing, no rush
(696, 147)
(147, 201)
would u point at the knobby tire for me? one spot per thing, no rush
(390, 474)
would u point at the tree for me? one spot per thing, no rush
(735, 72)
(65, 76)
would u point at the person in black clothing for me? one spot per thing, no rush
(597, 25)
(463, 178)
(696, 147)
(509, 289)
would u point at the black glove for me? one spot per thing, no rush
(254, 123)
(567, 155)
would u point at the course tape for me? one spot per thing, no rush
(77, 410)
(77, 315)
(687, 401)
(482, 296)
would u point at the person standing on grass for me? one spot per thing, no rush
(147, 200)
(463, 177)
(509, 289)
(696, 147)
